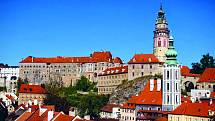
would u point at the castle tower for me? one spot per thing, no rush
(171, 80)
(161, 36)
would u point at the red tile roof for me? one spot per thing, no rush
(10, 98)
(208, 75)
(36, 89)
(185, 99)
(114, 70)
(212, 94)
(63, 117)
(185, 71)
(148, 97)
(109, 108)
(144, 58)
(96, 57)
(161, 119)
(117, 60)
(194, 109)
(24, 116)
(128, 106)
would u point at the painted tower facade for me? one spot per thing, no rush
(171, 80)
(161, 36)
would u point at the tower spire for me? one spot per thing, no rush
(161, 7)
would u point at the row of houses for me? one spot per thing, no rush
(150, 103)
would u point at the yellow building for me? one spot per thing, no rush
(31, 93)
(110, 78)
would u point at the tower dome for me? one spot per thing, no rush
(171, 53)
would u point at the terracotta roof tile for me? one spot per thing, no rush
(194, 109)
(148, 97)
(63, 117)
(117, 60)
(162, 119)
(208, 75)
(10, 98)
(185, 71)
(114, 70)
(96, 57)
(144, 58)
(128, 106)
(37, 89)
(109, 107)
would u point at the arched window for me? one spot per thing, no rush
(159, 43)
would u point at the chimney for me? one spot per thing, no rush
(50, 115)
(72, 112)
(32, 59)
(35, 102)
(87, 117)
(29, 110)
(158, 84)
(151, 84)
(211, 102)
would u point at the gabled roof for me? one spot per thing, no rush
(147, 97)
(109, 108)
(36, 89)
(63, 117)
(117, 60)
(185, 71)
(208, 75)
(194, 109)
(144, 58)
(96, 57)
(114, 70)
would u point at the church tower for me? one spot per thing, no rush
(161, 36)
(171, 80)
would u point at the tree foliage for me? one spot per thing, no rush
(21, 81)
(65, 97)
(206, 61)
(84, 84)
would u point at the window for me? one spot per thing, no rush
(167, 86)
(133, 66)
(159, 43)
(142, 73)
(167, 74)
(176, 74)
(133, 74)
(142, 66)
(167, 98)
(176, 87)
(150, 66)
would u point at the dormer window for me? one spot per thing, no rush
(150, 60)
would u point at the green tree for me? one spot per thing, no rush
(20, 82)
(84, 84)
(91, 104)
(206, 61)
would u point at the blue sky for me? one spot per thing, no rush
(47, 28)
